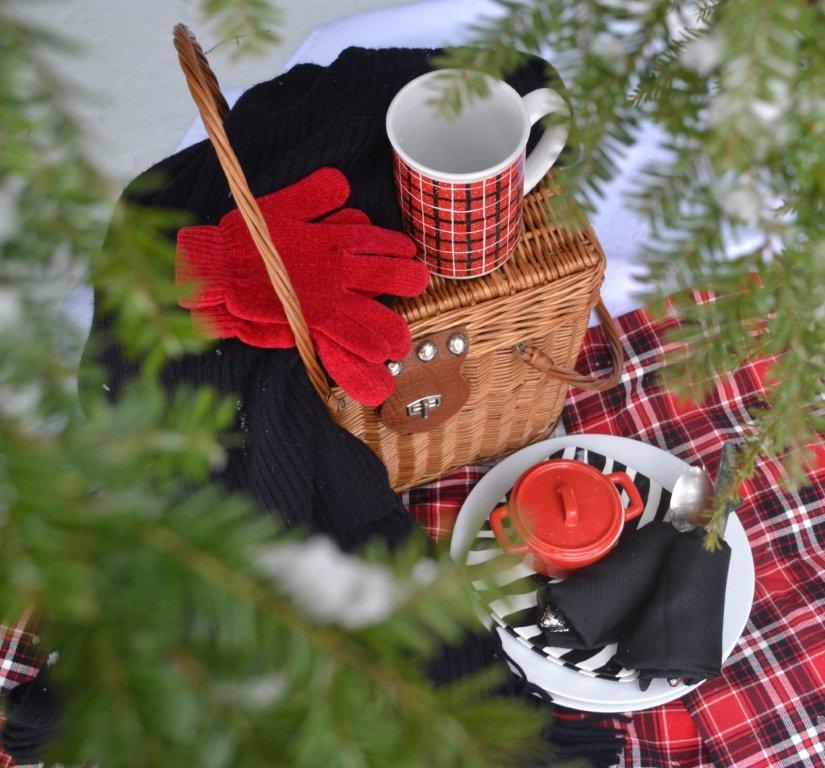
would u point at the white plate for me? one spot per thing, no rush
(566, 686)
(656, 498)
(615, 705)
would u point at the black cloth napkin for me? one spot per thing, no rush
(678, 633)
(660, 596)
(600, 600)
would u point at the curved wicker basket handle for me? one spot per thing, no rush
(544, 363)
(203, 85)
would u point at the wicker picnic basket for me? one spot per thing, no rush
(520, 330)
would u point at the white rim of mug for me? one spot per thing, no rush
(458, 178)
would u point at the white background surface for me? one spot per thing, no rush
(136, 104)
(137, 107)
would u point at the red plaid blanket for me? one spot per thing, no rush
(767, 709)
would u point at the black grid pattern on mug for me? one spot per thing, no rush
(462, 229)
(516, 612)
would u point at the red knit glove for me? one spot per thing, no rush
(337, 266)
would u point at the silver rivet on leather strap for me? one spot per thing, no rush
(427, 351)
(458, 343)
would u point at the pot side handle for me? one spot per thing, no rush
(636, 506)
(497, 524)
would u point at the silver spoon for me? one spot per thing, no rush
(695, 492)
(689, 499)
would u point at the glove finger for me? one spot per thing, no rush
(359, 238)
(346, 216)
(378, 275)
(368, 383)
(383, 327)
(257, 303)
(197, 295)
(353, 333)
(363, 326)
(342, 328)
(219, 322)
(322, 191)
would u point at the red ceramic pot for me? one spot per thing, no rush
(566, 514)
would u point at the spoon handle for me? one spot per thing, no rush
(724, 480)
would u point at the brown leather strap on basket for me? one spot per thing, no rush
(544, 363)
(203, 85)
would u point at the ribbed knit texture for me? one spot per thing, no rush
(294, 460)
(33, 719)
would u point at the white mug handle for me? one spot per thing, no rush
(539, 104)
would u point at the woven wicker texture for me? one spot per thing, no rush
(542, 296)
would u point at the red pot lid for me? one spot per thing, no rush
(566, 510)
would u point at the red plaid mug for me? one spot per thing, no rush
(461, 180)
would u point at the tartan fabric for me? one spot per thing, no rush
(461, 229)
(767, 708)
(19, 663)
(664, 737)
(19, 660)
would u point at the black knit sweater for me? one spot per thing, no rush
(293, 459)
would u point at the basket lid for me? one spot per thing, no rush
(545, 252)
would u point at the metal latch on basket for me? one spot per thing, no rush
(429, 385)
(423, 406)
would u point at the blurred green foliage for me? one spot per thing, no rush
(182, 639)
(738, 87)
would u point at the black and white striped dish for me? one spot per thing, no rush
(516, 611)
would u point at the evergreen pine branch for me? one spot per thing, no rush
(737, 88)
(251, 24)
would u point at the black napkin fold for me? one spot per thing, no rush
(33, 720)
(678, 633)
(599, 601)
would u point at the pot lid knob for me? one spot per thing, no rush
(569, 505)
